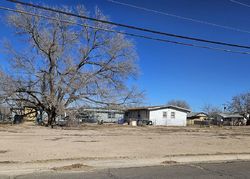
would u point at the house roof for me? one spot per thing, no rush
(194, 114)
(230, 115)
(151, 108)
(104, 110)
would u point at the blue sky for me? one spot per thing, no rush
(170, 71)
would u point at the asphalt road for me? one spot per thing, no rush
(204, 171)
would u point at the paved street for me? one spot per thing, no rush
(204, 171)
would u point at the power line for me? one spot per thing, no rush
(125, 33)
(240, 3)
(179, 17)
(130, 26)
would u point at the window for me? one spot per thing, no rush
(164, 114)
(111, 115)
(172, 115)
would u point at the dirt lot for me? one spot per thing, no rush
(40, 146)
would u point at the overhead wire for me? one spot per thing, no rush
(130, 26)
(124, 33)
(178, 16)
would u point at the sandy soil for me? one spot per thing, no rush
(36, 145)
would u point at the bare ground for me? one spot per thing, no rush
(31, 146)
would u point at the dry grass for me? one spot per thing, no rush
(3, 151)
(74, 167)
(8, 162)
(171, 162)
(86, 141)
(36, 144)
(55, 139)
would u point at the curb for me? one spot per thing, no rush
(167, 160)
(208, 158)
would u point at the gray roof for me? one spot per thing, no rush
(101, 110)
(230, 115)
(193, 114)
(96, 109)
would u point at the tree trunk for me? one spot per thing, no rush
(248, 122)
(51, 117)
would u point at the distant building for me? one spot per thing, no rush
(4, 113)
(231, 119)
(196, 118)
(99, 114)
(25, 113)
(30, 113)
(159, 115)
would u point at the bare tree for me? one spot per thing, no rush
(59, 63)
(179, 103)
(241, 104)
(211, 110)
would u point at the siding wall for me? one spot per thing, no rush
(156, 116)
(104, 116)
(137, 114)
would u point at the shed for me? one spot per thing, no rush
(196, 118)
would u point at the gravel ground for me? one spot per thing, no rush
(28, 145)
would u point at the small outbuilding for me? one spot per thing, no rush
(196, 118)
(159, 115)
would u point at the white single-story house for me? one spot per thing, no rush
(100, 114)
(159, 115)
